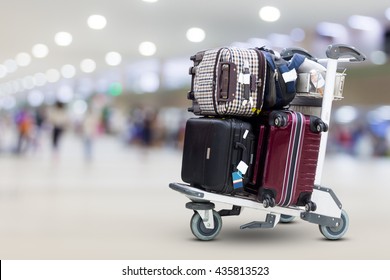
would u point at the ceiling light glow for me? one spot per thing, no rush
(113, 58)
(68, 71)
(97, 22)
(269, 13)
(147, 48)
(88, 65)
(10, 65)
(63, 39)
(40, 50)
(23, 59)
(196, 34)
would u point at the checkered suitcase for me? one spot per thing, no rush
(228, 81)
(286, 159)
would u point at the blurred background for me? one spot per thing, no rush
(93, 106)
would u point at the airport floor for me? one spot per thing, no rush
(119, 206)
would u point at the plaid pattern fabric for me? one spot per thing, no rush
(205, 91)
(203, 82)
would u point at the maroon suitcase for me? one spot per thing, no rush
(286, 159)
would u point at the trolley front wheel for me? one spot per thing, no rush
(334, 233)
(201, 232)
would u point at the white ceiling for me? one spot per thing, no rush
(24, 23)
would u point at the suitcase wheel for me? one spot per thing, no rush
(278, 120)
(201, 232)
(318, 126)
(268, 201)
(310, 206)
(334, 233)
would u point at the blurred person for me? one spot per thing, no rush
(24, 123)
(89, 127)
(40, 119)
(58, 118)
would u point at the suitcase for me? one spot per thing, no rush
(286, 158)
(227, 82)
(216, 152)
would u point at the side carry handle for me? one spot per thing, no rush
(340, 50)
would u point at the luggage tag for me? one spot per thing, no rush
(237, 176)
(237, 180)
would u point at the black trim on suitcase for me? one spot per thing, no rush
(215, 81)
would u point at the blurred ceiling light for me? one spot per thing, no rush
(10, 65)
(65, 94)
(96, 22)
(378, 57)
(88, 65)
(40, 50)
(346, 114)
(113, 58)
(147, 48)
(150, 1)
(68, 71)
(52, 75)
(40, 79)
(195, 34)
(35, 98)
(330, 29)
(28, 82)
(23, 59)
(269, 13)
(63, 38)
(3, 71)
(80, 107)
(297, 34)
(364, 23)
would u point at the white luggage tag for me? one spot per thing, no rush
(242, 167)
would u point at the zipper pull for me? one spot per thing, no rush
(276, 76)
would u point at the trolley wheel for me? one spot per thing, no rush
(334, 233)
(201, 232)
(286, 218)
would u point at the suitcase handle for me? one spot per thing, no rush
(340, 50)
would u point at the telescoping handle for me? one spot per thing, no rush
(335, 53)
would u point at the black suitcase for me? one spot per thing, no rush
(217, 152)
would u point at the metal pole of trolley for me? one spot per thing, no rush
(327, 100)
(335, 53)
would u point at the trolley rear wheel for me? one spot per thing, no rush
(334, 233)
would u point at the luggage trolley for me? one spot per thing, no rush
(327, 210)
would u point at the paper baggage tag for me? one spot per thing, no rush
(237, 180)
(290, 76)
(242, 167)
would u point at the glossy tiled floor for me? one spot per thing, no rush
(119, 206)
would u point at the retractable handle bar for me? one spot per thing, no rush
(335, 53)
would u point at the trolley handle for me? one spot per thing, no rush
(338, 51)
(288, 53)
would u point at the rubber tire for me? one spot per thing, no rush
(200, 231)
(285, 219)
(334, 233)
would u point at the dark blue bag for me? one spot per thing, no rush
(281, 78)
